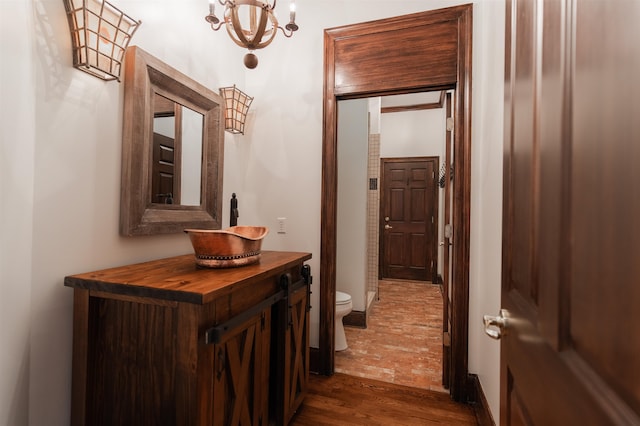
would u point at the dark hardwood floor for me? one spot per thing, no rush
(391, 374)
(347, 400)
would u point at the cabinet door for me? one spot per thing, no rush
(296, 353)
(241, 373)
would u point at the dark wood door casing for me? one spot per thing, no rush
(446, 250)
(418, 52)
(408, 218)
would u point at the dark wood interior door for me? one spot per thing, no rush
(570, 348)
(163, 189)
(167, 153)
(408, 218)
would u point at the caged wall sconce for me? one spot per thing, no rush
(100, 33)
(251, 24)
(236, 106)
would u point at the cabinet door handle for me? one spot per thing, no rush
(285, 284)
(221, 361)
(215, 334)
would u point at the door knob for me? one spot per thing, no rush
(388, 227)
(495, 327)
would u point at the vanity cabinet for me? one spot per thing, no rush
(168, 343)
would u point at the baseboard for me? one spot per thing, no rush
(355, 319)
(314, 360)
(479, 402)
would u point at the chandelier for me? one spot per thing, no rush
(251, 24)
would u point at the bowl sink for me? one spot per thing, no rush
(227, 248)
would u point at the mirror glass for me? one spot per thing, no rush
(172, 150)
(177, 153)
(192, 123)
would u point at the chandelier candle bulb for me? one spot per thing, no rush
(292, 11)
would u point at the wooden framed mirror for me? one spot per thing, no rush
(172, 150)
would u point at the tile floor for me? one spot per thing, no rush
(403, 341)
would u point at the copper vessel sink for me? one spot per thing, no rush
(227, 248)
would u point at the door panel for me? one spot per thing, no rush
(522, 145)
(163, 188)
(606, 196)
(408, 218)
(570, 347)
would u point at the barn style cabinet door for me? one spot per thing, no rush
(241, 374)
(291, 348)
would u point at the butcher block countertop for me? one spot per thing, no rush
(180, 279)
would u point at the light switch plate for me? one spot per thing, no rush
(282, 225)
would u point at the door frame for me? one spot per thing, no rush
(446, 258)
(433, 269)
(394, 68)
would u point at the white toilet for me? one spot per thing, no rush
(343, 307)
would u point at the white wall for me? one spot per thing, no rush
(17, 144)
(351, 228)
(61, 147)
(412, 133)
(486, 194)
